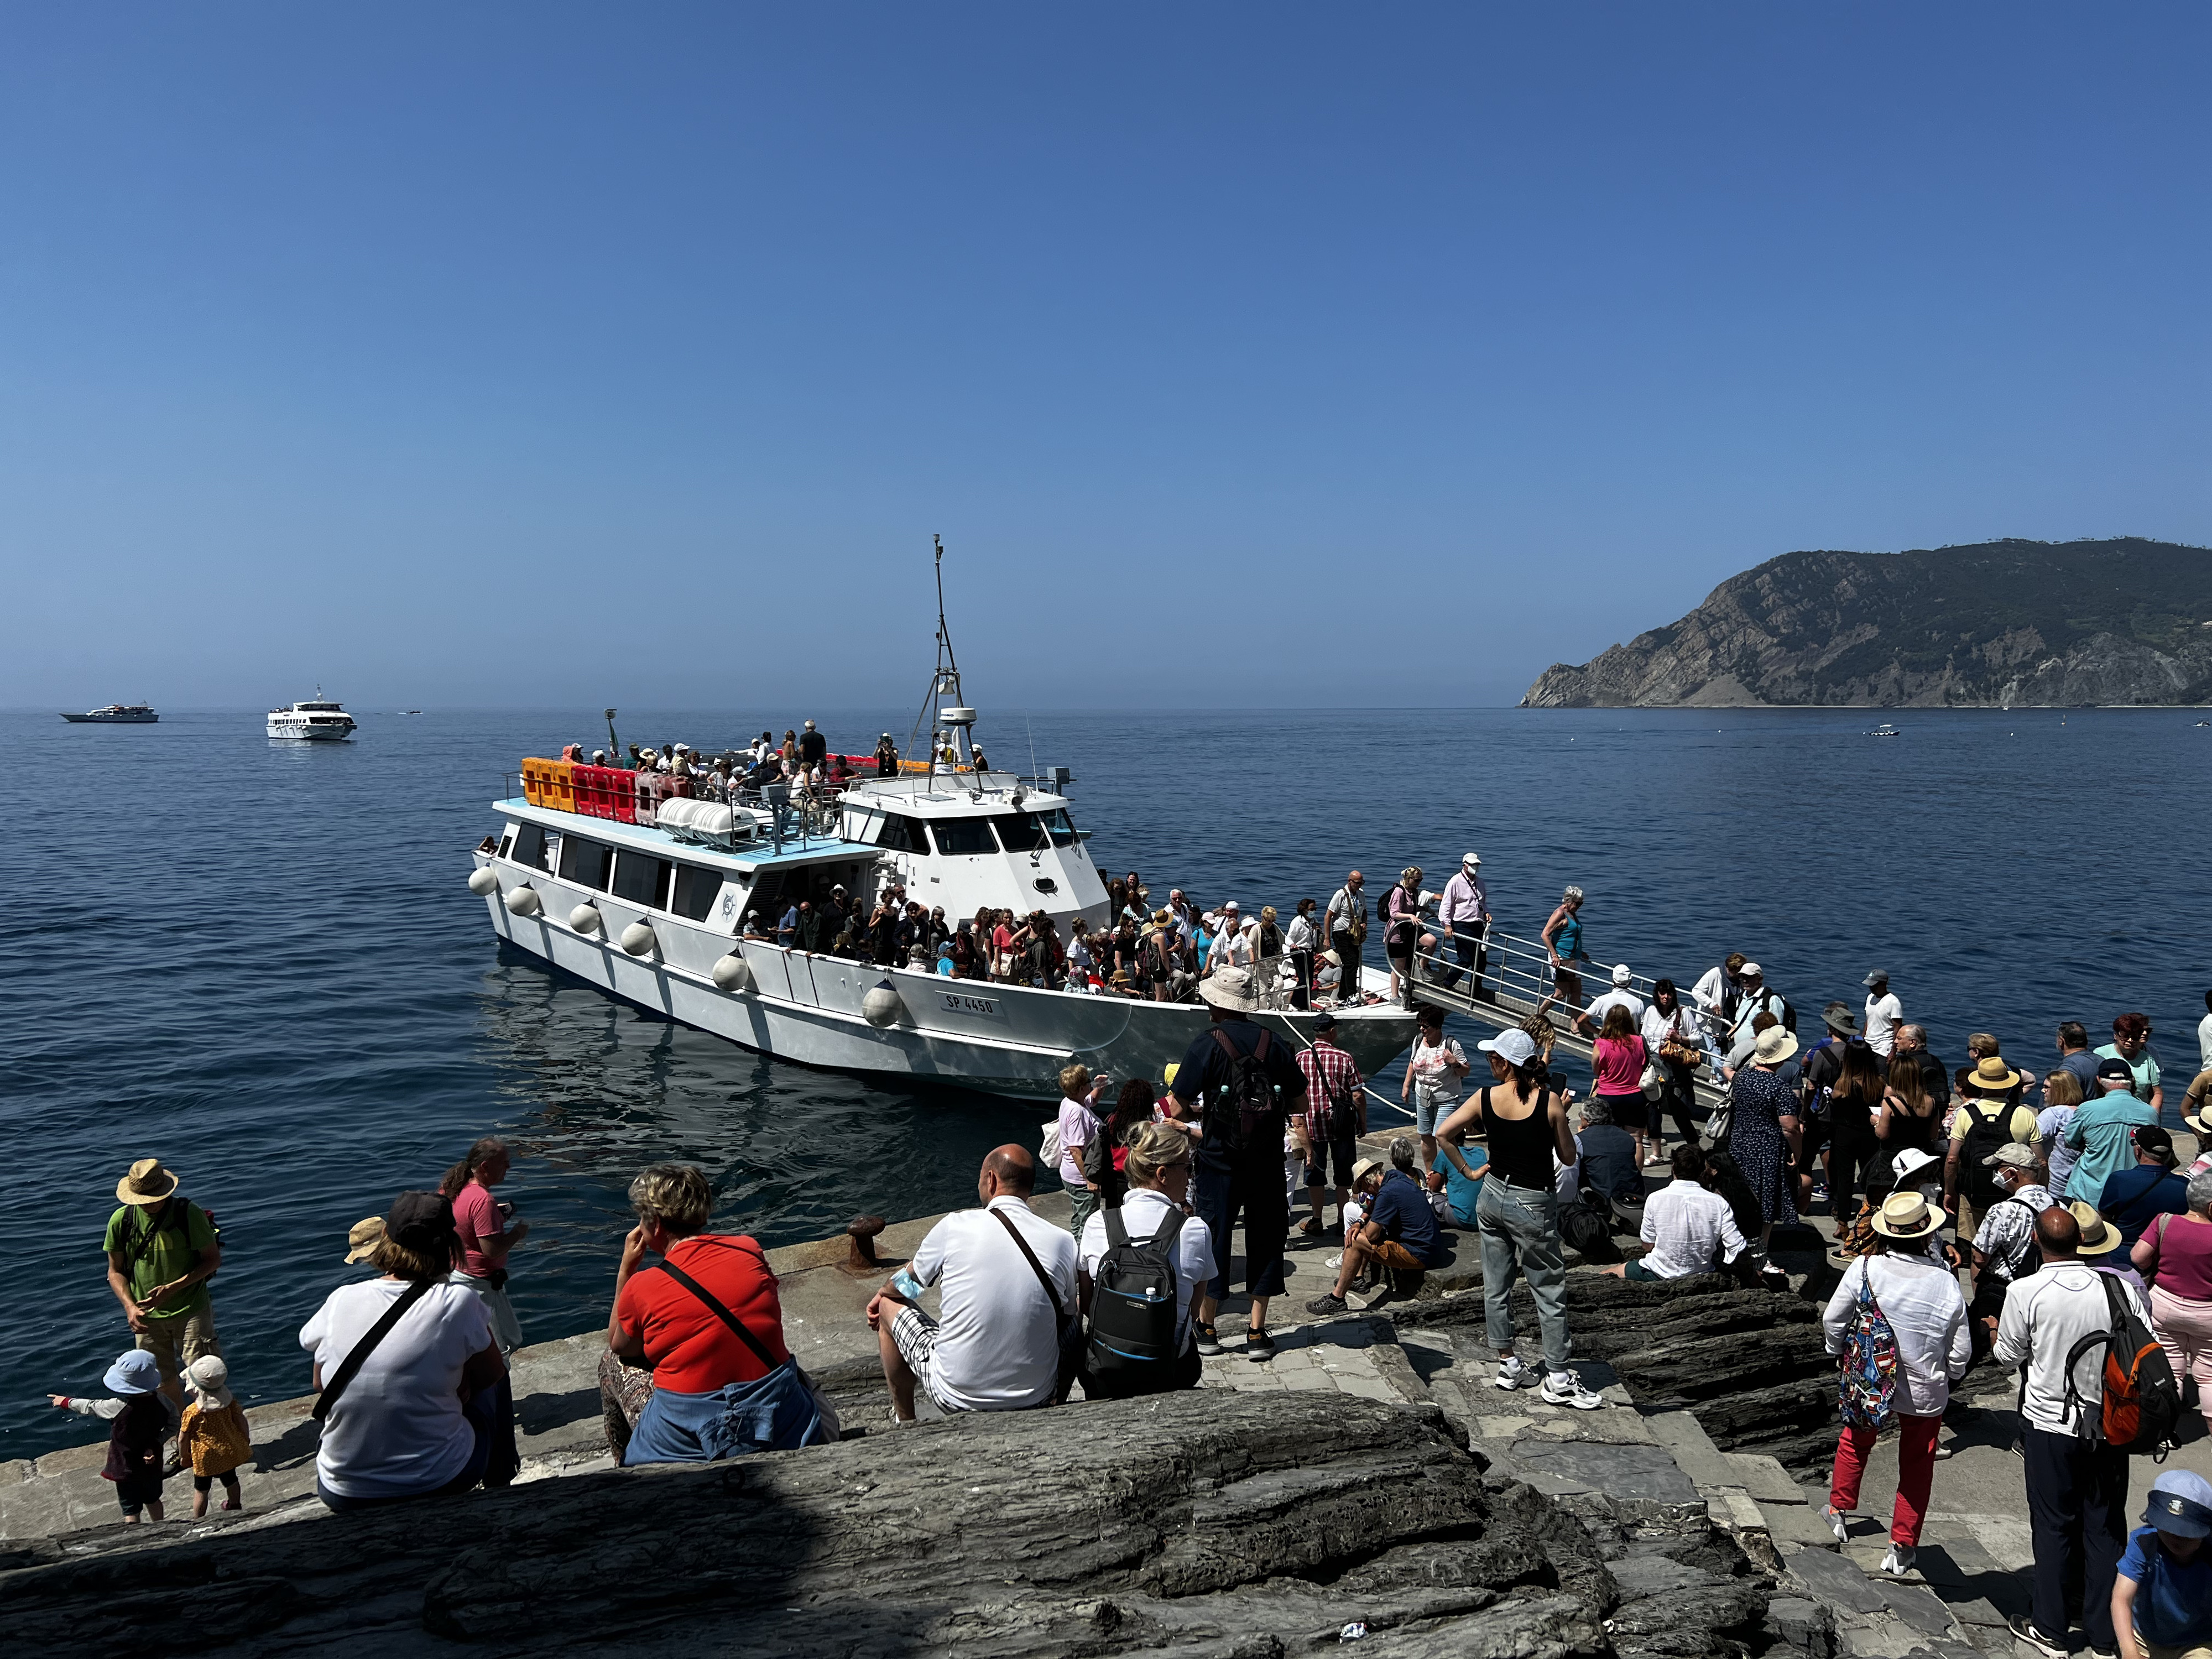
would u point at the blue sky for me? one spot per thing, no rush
(1244, 356)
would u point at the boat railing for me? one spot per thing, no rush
(1515, 977)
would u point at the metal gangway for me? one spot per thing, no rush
(1515, 979)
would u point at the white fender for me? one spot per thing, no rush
(882, 1005)
(734, 973)
(637, 938)
(524, 901)
(586, 919)
(483, 881)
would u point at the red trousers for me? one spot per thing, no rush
(1916, 1471)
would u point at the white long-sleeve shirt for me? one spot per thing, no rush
(1686, 1224)
(1922, 1301)
(2045, 1316)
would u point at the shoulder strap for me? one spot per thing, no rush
(1260, 1048)
(1043, 1278)
(1117, 1234)
(759, 1348)
(1227, 1047)
(143, 1239)
(361, 1350)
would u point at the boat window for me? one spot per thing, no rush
(584, 862)
(642, 879)
(900, 834)
(529, 846)
(1032, 832)
(955, 836)
(696, 890)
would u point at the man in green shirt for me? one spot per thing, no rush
(162, 1250)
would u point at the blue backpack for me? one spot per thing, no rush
(1867, 1392)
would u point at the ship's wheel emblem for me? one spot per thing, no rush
(729, 904)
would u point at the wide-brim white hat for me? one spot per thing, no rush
(1229, 989)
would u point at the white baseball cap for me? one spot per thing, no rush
(1470, 857)
(1621, 974)
(1515, 1048)
(1750, 970)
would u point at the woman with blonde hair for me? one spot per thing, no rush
(1119, 1258)
(1401, 929)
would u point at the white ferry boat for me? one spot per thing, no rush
(652, 910)
(116, 713)
(314, 721)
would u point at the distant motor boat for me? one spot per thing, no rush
(116, 713)
(1884, 730)
(312, 720)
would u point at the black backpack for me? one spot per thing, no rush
(1248, 1098)
(1984, 1136)
(1133, 1309)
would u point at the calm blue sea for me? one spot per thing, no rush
(259, 961)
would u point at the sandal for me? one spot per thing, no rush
(1310, 1227)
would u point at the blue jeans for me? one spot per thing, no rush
(775, 1412)
(1519, 1227)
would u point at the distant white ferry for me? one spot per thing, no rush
(116, 713)
(314, 721)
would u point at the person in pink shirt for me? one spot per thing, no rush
(1618, 1058)
(482, 1222)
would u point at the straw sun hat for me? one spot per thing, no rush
(1907, 1216)
(149, 1182)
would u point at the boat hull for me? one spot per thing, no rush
(113, 720)
(996, 1039)
(311, 734)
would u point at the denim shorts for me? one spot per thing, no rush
(1430, 1108)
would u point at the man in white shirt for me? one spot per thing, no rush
(995, 1344)
(1884, 1013)
(1464, 910)
(1235, 939)
(1588, 1021)
(1716, 994)
(2077, 1487)
(1346, 921)
(2205, 1036)
(1690, 1228)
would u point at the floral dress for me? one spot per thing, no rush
(1758, 1100)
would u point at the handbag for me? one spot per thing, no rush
(1070, 1329)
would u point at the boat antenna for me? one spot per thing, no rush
(945, 677)
(1029, 725)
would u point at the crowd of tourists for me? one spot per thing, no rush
(2084, 1245)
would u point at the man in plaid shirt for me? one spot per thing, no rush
(1336, 1117)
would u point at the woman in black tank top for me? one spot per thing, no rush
(1517, 1213)
(1521, 1149)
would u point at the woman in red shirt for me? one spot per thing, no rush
(696, 1368)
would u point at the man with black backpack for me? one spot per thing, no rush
(2065, 1325)
(1991, 1116)
(162, 1248)
(1247, 1091)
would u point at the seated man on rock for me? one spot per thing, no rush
(695, 1367)
(1608, 1162)
(1690, 1228)
(1399, 1235)
(1009, 1295)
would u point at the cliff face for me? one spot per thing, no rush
(2011, 623)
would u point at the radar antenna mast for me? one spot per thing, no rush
(944, 684)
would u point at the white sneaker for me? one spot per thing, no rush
(1898, 1564)
(1512, 1374)
(1566, 1388)
(1837, 1524)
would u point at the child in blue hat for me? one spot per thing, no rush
(2162, 1598)
(141, 1419)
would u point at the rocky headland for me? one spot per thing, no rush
(1997, 624)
